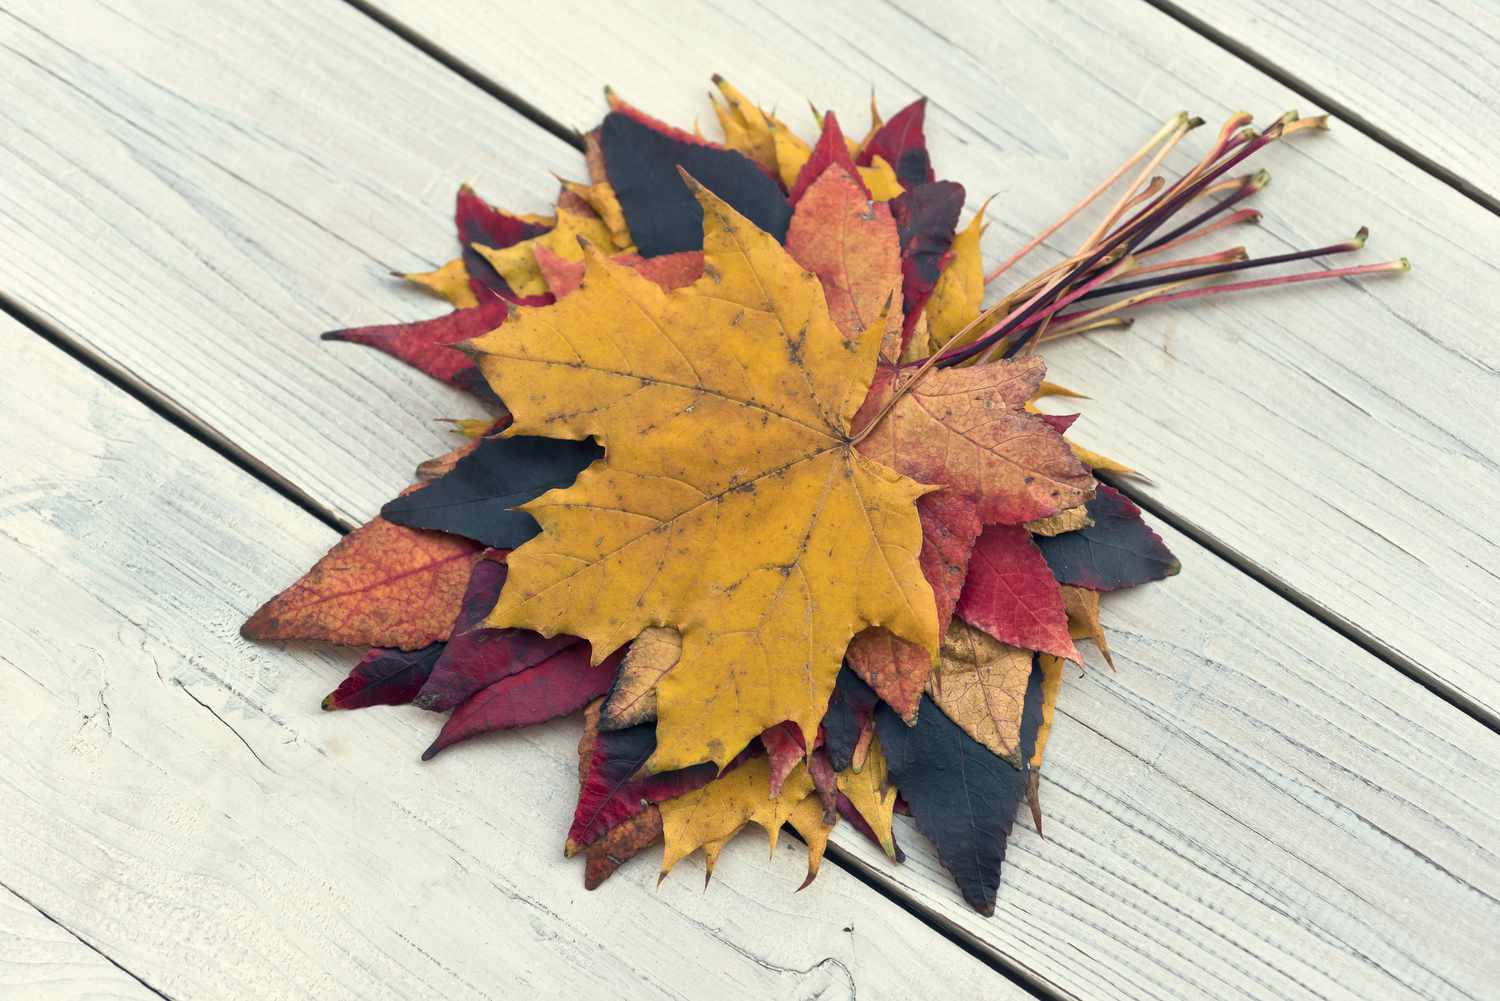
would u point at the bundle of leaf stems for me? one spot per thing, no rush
(1115, 258)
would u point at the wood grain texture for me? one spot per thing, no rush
(195, 191)
(42, 961)
(176, 797)
(1424, 72)
(1343, 438)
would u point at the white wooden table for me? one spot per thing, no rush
(1290, 789)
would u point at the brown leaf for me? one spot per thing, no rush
(1082, 605)
(633, 699)
(623, 842)
(1071, 520)
(980, 684)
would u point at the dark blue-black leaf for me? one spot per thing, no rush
(850, 708)
(662, 213)
(476, 499)
(1118, 550)
(962, 795)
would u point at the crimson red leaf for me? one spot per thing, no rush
(1118, 550)
(902, 143)
(1059, 422)
(1011, 594)
(611, 793)
(825, 782)
(850, 709)
(425, 344)
(384, 677)
(962, 795)
(477, 499)
(476, 656)
(830, 149)
(663, 215)
(783, 744)
(563, 683)
(479, 222)
(926, 217)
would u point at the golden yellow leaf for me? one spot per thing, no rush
(729, 504)
(601, 198)
(1071, 520)
(451, 281)
(517, 263)
(872, 794)
(1096, 461)
(746, 127)
(633, 699)
(960, 288)
(1053, 389)
(980, 684)
(1052, 679)
(792, 152)
(1082, 606)
(715, 812)
(807, 818)
(472, 427)
(880, 178)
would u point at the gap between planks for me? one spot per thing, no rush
(80, 942)
(1323, 99)
(1250, 568)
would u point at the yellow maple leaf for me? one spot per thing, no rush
(746, 128)
(730, 503)
(709, 816)
(602, 199)
(517, 263)
(869, 789)
(451, 281)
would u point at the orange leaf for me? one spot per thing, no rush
(382, 585)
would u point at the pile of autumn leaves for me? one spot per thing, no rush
(788, 583)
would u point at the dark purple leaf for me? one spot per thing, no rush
(477, 656)
(902, 143)
(385, 677)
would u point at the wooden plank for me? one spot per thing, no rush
(1249, 808)
(1342, 439)
(1423, 72)
(176, 797)
(195, 191)
(42, 961)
